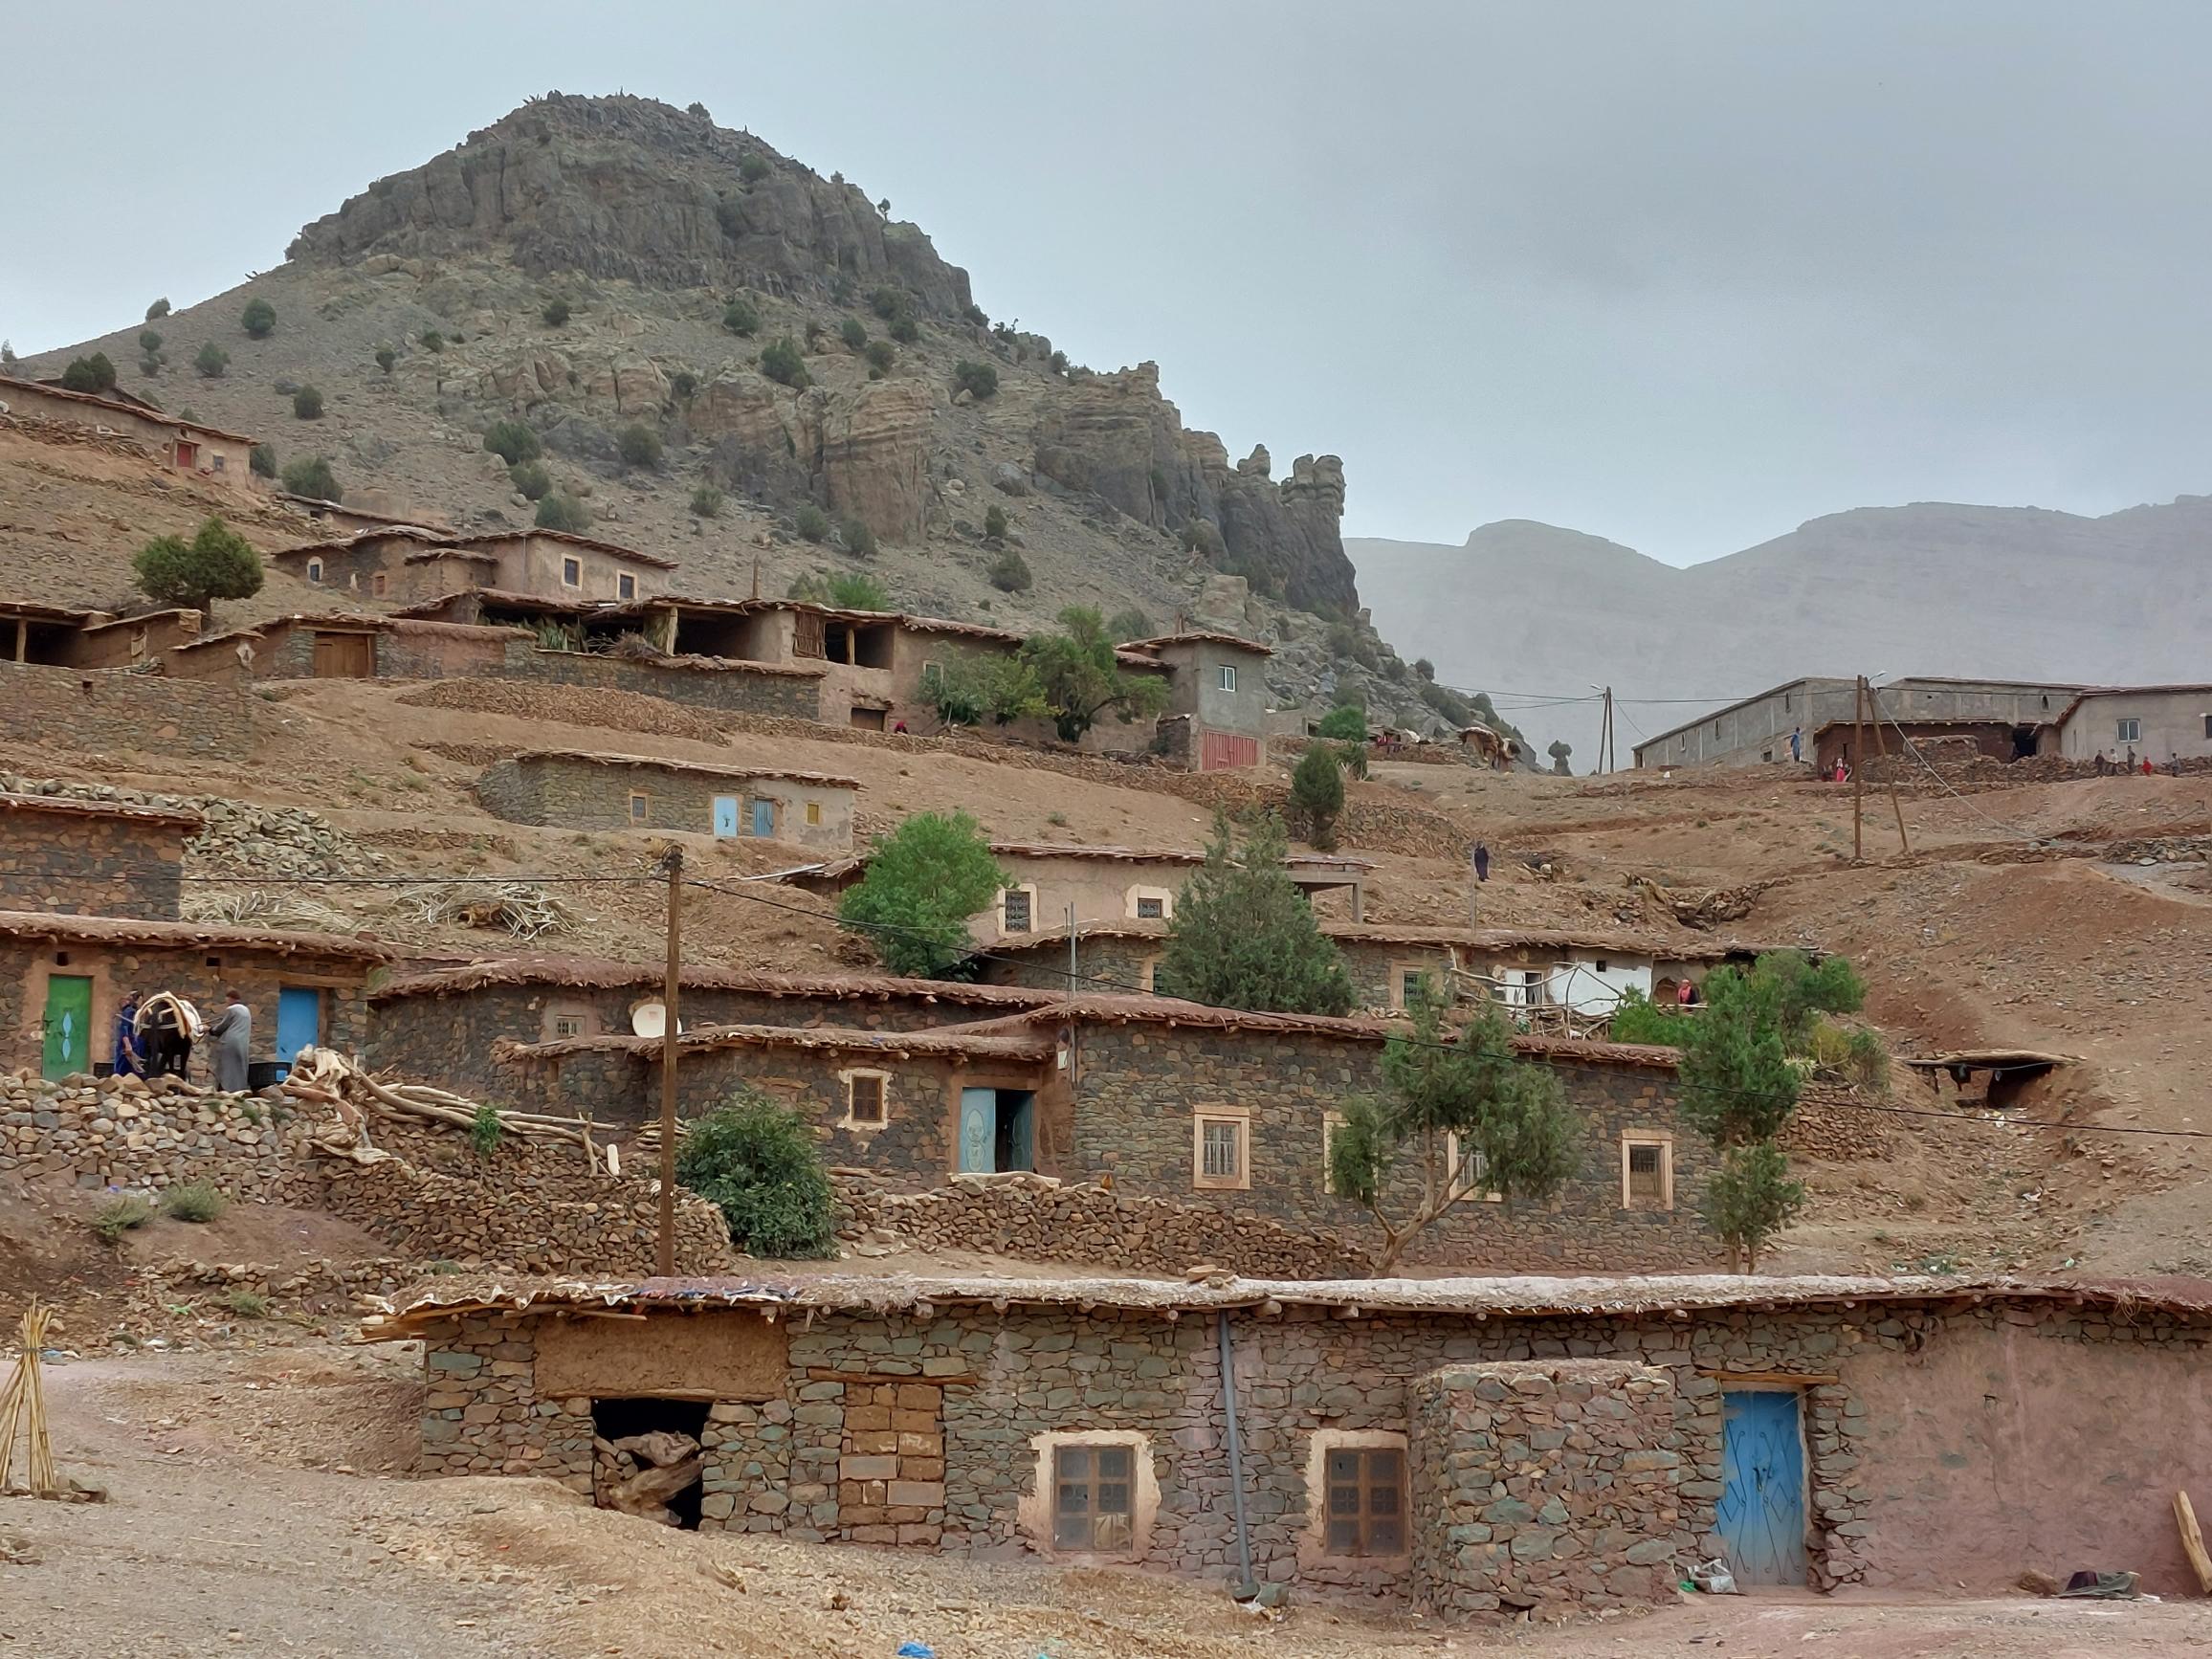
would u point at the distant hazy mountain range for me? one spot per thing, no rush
(1930, 588)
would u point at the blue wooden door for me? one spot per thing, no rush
(763, 816)
(726, 816)
(1762, 1517)
(979, 1131)
(299, 1020)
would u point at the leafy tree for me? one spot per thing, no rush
(311, 475)
(753, 169)
(307, 404)
(431, 340)
(1242, 934)
(973, 688)
(782, 361)
(812, 523)
(979, 380)
(904, 328)
(1798, 992)
(858, 537)
(1202, 536)
(1638, 1019)
(1082, 679)
(923, 882)
(757, 1162)
(258, 319)
(741, 318)
(994, 521)
(1009, 572)
(554, 313)
(1749, 1198)
(513, 441)
(707, 502)
(216, 564)
(1738, 1084)
(1346, 722)
(149, 342)
(262, 462)
(94, 374)
(855, 590)
(1058, 362)
(853, 333)
(561, 511)
(531, 480)
(639, 445)
(1318, 795)
(888, 302)
(881, 354)
(386, 357)
(213, 362)
(1560, 750)
(1124, 626)
(1506, 1120)
(158, 309)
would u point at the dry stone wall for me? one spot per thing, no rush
(87, 864)
(119, 709)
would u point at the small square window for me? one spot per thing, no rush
(932, 674)
(60, 959)
(864, 1098)
(638, 806)
(1466, 1172)
(1092, 1503)
(315, 571)
(1412, 986)
(813, 811)
(572, 572)
(1017, 911)
(214, 961)
(1647, 1175)
(1151, 908)
(626, 587)
(568, 1024)
(1225, 676)
(1220, 1155)
(1366, 1501)
(2130, 731)
(219, 459)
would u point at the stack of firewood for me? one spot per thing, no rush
(640, 1474)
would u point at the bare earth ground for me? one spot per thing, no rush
(250, 1512)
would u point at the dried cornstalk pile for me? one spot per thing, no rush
(326, 1077)
(23, 1404)
(252, 905)
(521, 908)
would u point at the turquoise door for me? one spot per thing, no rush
(299, 1022)
(979, 1131)
(726, 816)
(68, 1048)
(763, 816)
(1761, 1514)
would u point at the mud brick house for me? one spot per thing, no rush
(2158, 722)
(579, 790)
(57, 636)
(1468, 1446)
(189, 446)
(1217, 697)
(62, 978)
(2005, 719)
(1168, 1099)
(440, 1025)
(74, 858)
(351, 517)
(410, 564)
(345, 647)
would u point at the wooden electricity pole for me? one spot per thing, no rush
(1605, 734)
(1882, 748)
(1858, 764)
(672, 864)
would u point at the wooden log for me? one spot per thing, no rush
(2193, 1541)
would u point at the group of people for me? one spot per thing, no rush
(154, 1036)
(2112, 765)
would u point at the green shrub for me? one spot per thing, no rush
(151, 343)
(386, 357)
(213, 362)
(881, 354)
(258, 319)
(639, 445)
(311, 475)
(1124, 626)
(741, 318)
(753, 169)
(858, 537)
(706, 501)
(263, 461)
(119, 1216)
(888, 302)
(782, 361)
(1083, 679)
(757, 1162)
(194, 1201)
(1058, 362)
(216, 564)
(972, 688)
(979, 380)
(511, 441)
(1009, 572)
(853, 333)
(904, 329)
(922, 883)
(1749, 1198)
(1318, 795)
(976, 315)
(1244, 936)
(531, 480)
(995, 521)
(485, 1131)
(695, 107)
(431, 340)
(730, 215)
(1346, 722)
(94, 374)
(150, 365)
(1638, 1019)
(812, 523)
(159, 308)
(307, 404)
(683, 384)
(246, 1304)
(554, 313)
(561, 511)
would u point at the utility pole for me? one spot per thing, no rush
(673, 863)
(1606, 735)
(1858, 761)
(1882, 748)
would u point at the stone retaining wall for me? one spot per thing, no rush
(122, 710)
(724, 687)
(83, 863)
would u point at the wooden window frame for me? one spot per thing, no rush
(814, 813)
(1315, 1546)
(1465, 1187)
(624, 586)
(1148, 974)
(315, 572)
(1239, 1117)
(1400, 969)
(1027, 889)
(571, 562)
(852, 1120)
(1663, 1140)
(1037, 1509)
(1095, 1480)
(1137, 896)
(640, 806)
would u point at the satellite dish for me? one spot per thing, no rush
(650, 1020)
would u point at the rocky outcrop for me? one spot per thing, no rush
(632, 188)
(1114, 436)
(860, 451)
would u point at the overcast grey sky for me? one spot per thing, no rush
(1679, 275)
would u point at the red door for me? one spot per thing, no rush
(1225, 751)
(188, 454)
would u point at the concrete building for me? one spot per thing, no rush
(2158, 722)
(2008, 720)
(579, 790)
(410, 564)
(1217, 697)
(66, 856)
(189, 446)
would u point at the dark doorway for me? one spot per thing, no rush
(2023, 742)
(1012, 1148)
(615, 1420)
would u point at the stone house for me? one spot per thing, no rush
(440, 1025)
(189, 446)
(409, 564)
(62, 978)
(346, 646)
(1171, 1100)
(59, 636)
(351, 517)
(1217, 697)
(2158, 722)
(577, 789)
(2007, 720)
(72, 857)
(1470, 1447)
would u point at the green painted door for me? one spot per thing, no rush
(68, 1024)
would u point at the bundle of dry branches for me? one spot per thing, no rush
(252, 906)
(326, 1077)
(521, 908)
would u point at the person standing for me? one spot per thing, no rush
(129, 1058)
(1481, 861)
(232, 1034)
(1797, 743)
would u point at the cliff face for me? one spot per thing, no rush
(629, 188)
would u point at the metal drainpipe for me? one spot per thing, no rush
(1244, 1541)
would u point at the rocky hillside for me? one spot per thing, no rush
(1933, 588)
(609, 271)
